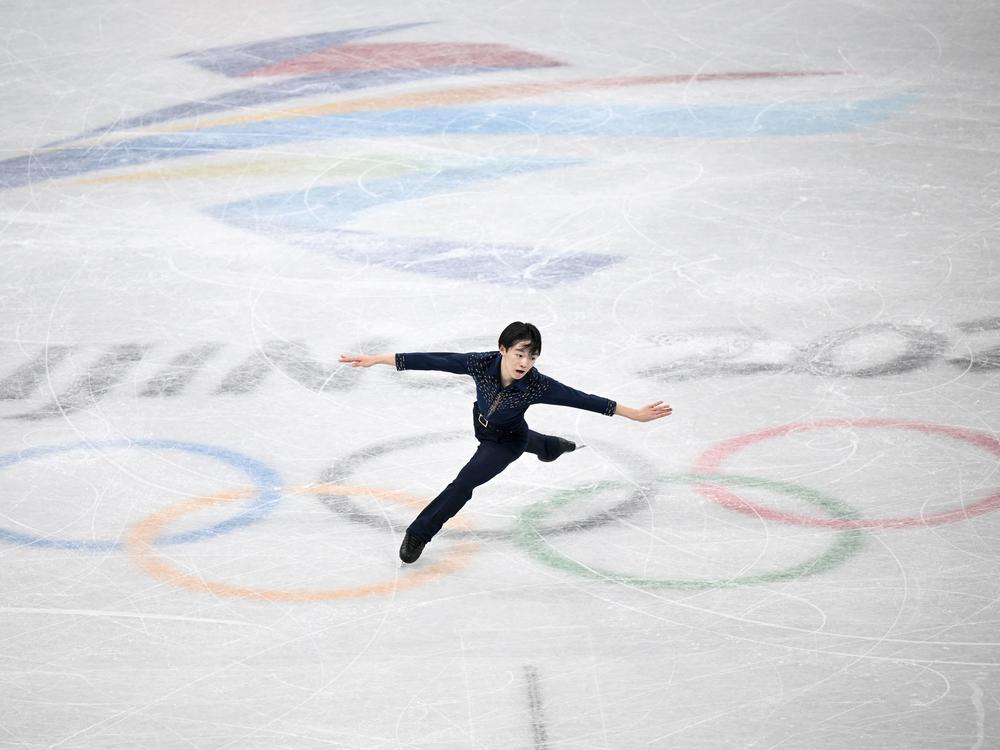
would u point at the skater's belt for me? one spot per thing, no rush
(492, 425)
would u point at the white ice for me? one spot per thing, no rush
(201, 510)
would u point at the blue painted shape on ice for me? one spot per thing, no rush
(267, 480)
(318, 84)
(313, 218)
(715, 121)
(271, 93)
(321, 208)
(499, 264)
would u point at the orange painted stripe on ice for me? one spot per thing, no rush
(140, 550)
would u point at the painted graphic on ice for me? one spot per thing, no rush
(340, 64)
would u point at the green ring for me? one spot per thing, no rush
(846, 543)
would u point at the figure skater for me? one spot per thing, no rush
(507, 383)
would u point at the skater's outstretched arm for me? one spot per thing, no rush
(441, 361)
(562, 395)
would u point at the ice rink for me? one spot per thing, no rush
(781, 218)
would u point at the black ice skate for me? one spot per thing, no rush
(565, 446)
(411, 548)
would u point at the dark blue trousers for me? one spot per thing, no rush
(498, 449)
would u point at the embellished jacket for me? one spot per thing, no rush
(505, 406)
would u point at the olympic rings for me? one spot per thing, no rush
(139, 545)
(268, 482)
(341, 470)
(846, 544)
(529, 533)
(710, 461)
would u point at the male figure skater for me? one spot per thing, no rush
(507, 383)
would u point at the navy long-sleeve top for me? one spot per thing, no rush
(505, 406)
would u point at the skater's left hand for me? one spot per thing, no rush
(649, 412)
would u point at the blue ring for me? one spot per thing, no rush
(267, 480)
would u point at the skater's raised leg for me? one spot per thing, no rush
(548, 447)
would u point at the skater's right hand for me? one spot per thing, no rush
(367, 360)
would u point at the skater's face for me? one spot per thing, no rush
(516, 361)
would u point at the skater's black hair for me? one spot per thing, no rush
(518, 331)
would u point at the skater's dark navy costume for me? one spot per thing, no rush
(499, 423)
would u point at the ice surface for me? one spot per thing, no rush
(781, 218)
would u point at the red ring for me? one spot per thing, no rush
(710, 462)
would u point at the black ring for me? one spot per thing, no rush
(340, 471)
(923, 346)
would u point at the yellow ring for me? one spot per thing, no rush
(140, 550)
